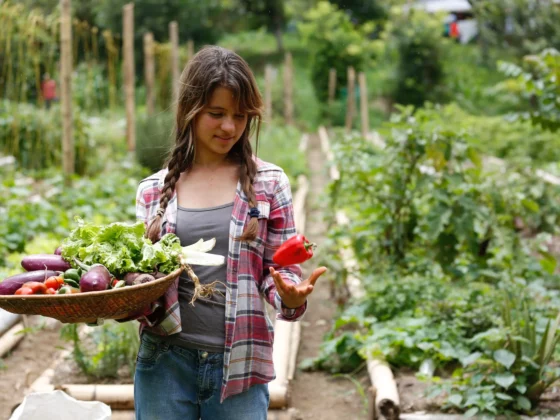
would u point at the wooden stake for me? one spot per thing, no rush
(129, 75)
(268, 91)
(149, 71)
(363, 104)
(332, 85)
(11, 338)
(174, 39)
(190, 49)
(66, 90)
(288, 89)
(350, 105)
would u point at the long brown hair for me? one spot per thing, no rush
(210, 68)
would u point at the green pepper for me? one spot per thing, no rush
(72, 283)
(72, 274)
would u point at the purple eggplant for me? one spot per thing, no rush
(58, 251)
(97, 278)
(11, 284)
(132, 279)
(44, 262)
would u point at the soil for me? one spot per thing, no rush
(27, 361)
(317, 395)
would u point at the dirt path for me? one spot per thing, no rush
(317, 395)
(27, 362)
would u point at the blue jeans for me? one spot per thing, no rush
(175, 383)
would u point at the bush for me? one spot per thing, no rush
(34, 136)
(154, 139)
(335, 42)
(416, 40)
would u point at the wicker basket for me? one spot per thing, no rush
(91, 307)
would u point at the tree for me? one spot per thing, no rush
(362, 11)
(269, 13)
(522, 26)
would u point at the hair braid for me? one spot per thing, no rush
(176, 165)
(247, 175)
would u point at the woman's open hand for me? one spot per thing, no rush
(295, 295)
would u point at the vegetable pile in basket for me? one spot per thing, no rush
(101, 257)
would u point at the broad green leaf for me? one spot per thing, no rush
(455, 399)
(504, 379)
(521, 388)
(503, 396)
(548, 262)
(471, 358)
(523, 403)
(530, 205)
(504, 357)
(471, 412)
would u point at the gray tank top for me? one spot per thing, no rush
(203, 325)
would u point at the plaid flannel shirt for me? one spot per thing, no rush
(249, 332)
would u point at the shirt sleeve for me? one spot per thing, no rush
(141, 210)
(281, 227)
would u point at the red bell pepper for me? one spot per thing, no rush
(295, 250)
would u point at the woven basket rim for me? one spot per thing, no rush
(108, 292)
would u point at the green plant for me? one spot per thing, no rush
(335, 42)
(513, 370)
(416, 42)
(154, 139)
(279, 144)
(538, 85)
(34, 136)
(102, 352)
(510, 25)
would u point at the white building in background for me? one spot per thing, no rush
(459, 11)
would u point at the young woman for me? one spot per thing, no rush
(213, 360)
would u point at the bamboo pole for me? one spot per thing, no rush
(149, 71)
(332, 85)
(363, 104)
(174, 39)
(66, 90)
(7, 319)
(268, 91)
(129, 76)
(350, 101)
(190, 49)
(288, 89)
(11, 338)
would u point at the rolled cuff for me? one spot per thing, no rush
(288, 314)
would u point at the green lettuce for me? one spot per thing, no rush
(122, 248)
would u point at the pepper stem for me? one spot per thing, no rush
(308, 245)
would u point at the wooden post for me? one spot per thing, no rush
(174, 39)
(149, 71)
(190, 49)
(332, 85)
(66, 90)
(363, 104)
(268, 91)
(288, 89)
(350, 105)
(129, 76)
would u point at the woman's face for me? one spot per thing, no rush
(218, 127)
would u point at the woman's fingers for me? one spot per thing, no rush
(281, 286)
(318, 272)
